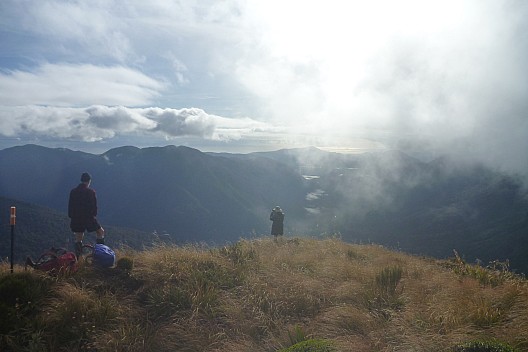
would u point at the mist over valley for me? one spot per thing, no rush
(185, 195)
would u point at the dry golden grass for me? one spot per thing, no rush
(261, 295)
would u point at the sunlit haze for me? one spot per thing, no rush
(425, 77)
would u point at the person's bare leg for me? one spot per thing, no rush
(100, 235)
(78, 243)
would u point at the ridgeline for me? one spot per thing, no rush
(295, 295)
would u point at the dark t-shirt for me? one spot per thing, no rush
(82, 209)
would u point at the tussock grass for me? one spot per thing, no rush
(261, 295)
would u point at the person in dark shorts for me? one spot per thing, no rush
(82, 210)
(277, 227)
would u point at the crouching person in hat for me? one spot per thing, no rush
(277, 227)
(82, 210)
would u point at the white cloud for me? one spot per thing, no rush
(78, 85)
(89, 27)
(119, 119)
(98, 122)
(184, 122)
(447, 72)
(50, 122)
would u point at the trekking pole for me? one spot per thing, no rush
(12, 222)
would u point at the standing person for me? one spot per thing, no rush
(277, 227)
(82, 210)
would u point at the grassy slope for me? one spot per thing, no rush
(263, 296)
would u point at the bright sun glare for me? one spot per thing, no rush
(342, 38)
(341, 44)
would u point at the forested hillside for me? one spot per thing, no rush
(388, 197)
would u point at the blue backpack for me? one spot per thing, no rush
(103, 256)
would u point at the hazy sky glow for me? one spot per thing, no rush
(258, 75)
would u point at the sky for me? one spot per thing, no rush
(424, 76)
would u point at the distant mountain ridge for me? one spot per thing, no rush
(385, 197)
(178, 190)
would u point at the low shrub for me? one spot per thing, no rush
(313, 345)
(484, 346)
(387, 280)
(495, 274)
(385, 295)
(125, 264)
